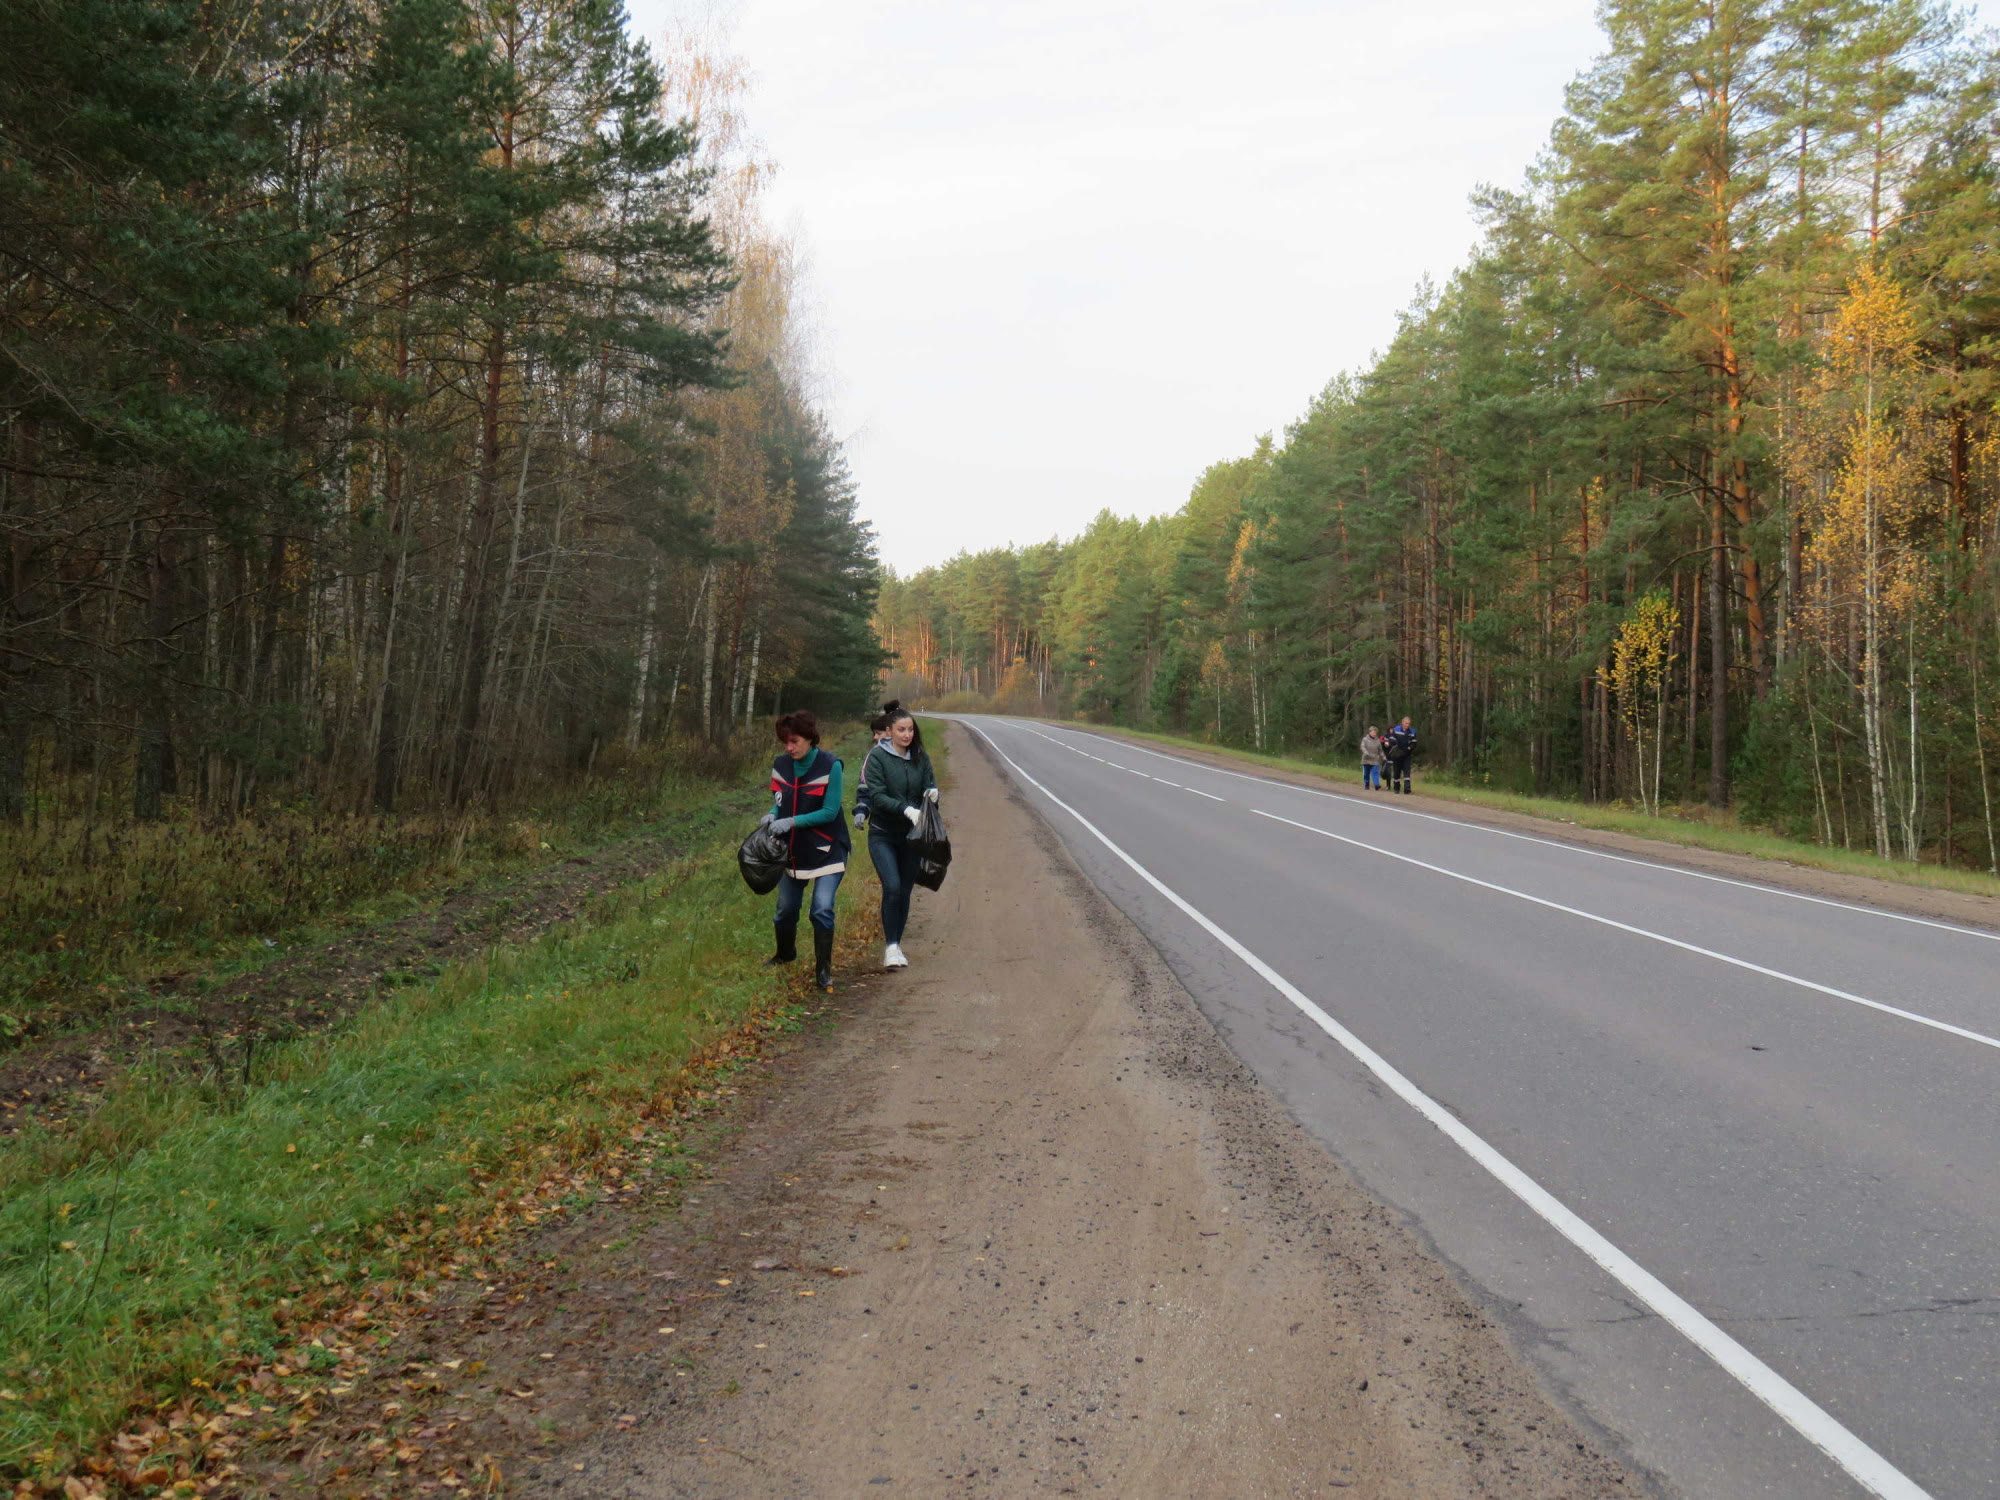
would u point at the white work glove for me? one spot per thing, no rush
(913, 815)
(860, 817)
(930, 794)
(765, 821)
(782, 825)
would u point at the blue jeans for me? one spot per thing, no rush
(895, 866)
(792, 893)
(1371, 778)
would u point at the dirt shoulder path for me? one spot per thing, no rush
(1891, 895)
(1019, 1224)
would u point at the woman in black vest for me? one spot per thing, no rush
(895, 783)
(805, 788)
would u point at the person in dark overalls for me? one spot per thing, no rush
(805, 791)
(1400, 745)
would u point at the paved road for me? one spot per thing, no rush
(1723, 1157)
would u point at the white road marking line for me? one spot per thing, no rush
(1658, 937)
(1116, 767)
(1812, 1422)
(1623, 859)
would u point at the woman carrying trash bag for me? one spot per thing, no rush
(896, 783)
(805, 786)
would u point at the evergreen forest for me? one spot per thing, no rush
(1686, 489)
(400, 402)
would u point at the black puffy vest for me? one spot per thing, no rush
(802, 790)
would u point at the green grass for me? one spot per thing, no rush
(87, 909)
(151, 1247)
(1692, 828)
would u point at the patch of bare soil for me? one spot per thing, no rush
(1018, 1224)
(309, 989)
(1963, 907)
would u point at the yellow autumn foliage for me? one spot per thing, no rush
(1642, 660)
(1864, 458)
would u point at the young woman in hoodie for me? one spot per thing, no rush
(897, 781)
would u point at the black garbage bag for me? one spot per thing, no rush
(763, 859)
(933, 848)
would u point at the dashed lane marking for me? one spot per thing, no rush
(1658, 937)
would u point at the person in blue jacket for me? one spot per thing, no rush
(878, 731)
(805, 809)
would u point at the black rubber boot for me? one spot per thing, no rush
(823, 958)
(788, 943)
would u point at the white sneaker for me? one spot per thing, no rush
(892, 957)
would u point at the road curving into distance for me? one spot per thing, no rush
(1722, 1156)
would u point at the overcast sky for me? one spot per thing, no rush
(1068, 253)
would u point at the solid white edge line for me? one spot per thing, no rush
(1812, 1422)
(1659, 937)
(1529, 838)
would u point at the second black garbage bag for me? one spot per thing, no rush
(933, 848)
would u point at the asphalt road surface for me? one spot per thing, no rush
(1723, 1157)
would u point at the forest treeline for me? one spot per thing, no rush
(1683, 489)
(400, 400)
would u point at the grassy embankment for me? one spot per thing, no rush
(189, 1230)
(89, 910)
(1693, 828)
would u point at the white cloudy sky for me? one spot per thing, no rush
(1067, 253)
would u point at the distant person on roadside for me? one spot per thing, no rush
(1371, 760)
(899, 781)
(805, 809)
(1399, 747)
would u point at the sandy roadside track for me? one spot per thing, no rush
(1035, 1231)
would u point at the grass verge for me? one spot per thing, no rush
(87, 910)
(179, 1233)
(1692, 828)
